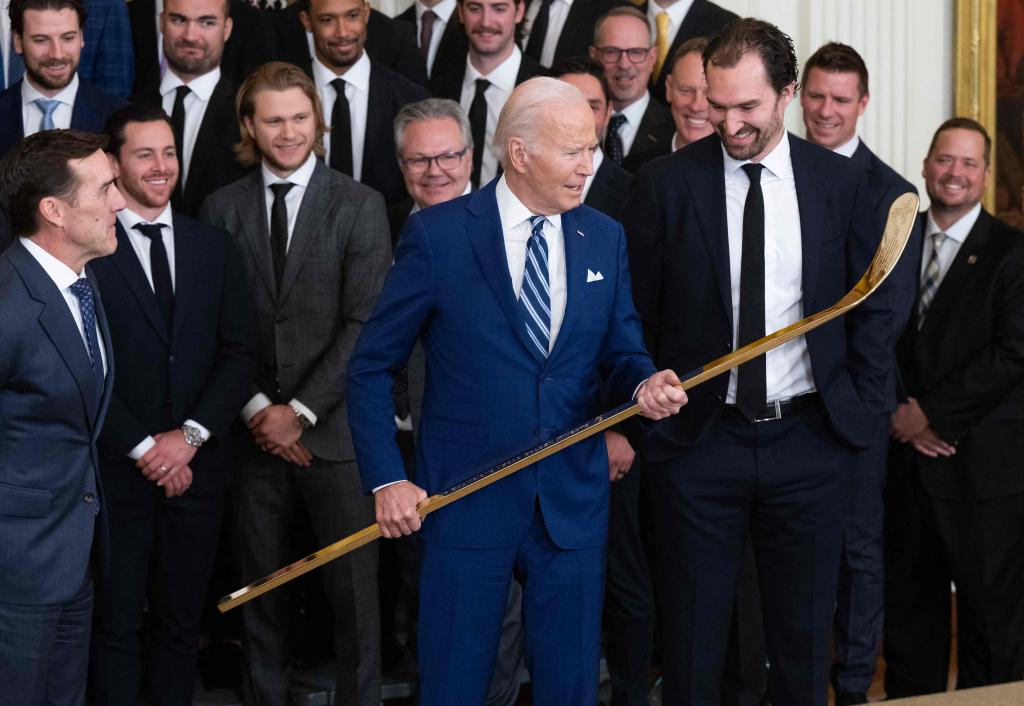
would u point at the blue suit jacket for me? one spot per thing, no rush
(91, 110)
(488, 394)
(50, 500)
(679, 255)
(107, 58)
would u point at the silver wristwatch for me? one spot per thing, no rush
(193, 437)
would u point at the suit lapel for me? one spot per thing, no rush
(376, 104)
(84, 111)
(577, 249)
(220, 111)
(108, 346)
(812, 200)
(252, 214)
(127, 264)
(959, 273)
(486, 238)
(308, 224)
(707, 183)
(185, 246)
(598, 192)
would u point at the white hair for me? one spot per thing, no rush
(521, 115)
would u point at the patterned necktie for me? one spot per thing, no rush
(535, 295)
(46, 107)
(426, 32)
(661, 42)
(87, 306)
(478, 128)
(160, 267)
(613, 141)
(930, 283)
(752, 378)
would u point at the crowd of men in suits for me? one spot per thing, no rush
(336, 264)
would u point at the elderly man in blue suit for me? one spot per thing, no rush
(55, 380)
(520, 296)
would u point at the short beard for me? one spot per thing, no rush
(195, 67)
(46, 83)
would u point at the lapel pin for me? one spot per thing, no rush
(972, 259)
(579, 232)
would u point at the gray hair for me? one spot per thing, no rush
(430, 109)
(519, 116)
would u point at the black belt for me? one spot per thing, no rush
(773, 410)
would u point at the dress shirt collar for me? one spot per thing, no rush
(202, 86)
(62, 275)
(513, 212)
(443, 10)
(300, 177)
(676, 12)
(959, 230)
(129, 218)
(30, 94)
(503, 76)
(847, 149)
(777, 162)
(634, 112)
(358, 74)
(416, 206)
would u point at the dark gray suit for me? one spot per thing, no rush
(337, 257)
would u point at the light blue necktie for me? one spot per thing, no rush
(535, 296)
(15, 64)
(46, 107)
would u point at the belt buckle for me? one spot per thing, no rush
(771, 416)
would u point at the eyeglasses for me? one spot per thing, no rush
(446, 161)
(610, 55)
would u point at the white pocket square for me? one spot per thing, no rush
(594, 276)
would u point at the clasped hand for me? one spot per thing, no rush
(276, 430)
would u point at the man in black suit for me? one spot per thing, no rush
(315, 248)
(955, 490)
(252, 42)
(199, 98)
(360, 97)
(679, 20)
(484, 79)
(640, 128)
(834, 95)
(440, 36)
(765, 452)
(48, 37)
(388, 42)
(181, 327)
(562, 29)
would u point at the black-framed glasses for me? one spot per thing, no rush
(610, 55)
(446, 161)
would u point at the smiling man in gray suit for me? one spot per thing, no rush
(316, 247)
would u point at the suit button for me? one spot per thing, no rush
(280, 319)
(170, 359)
(89, 498)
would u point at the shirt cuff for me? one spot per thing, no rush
(141, 448)
(636, 390)
(304, 410)
(381, 487)
(259, 401)
(203, 431)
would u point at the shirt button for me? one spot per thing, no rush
(89, 498)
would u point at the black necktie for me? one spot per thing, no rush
(160, 268)
(178, 129)
(279, 229)
(341, 130)
(426, 32)
(613, 141)
(751, 377)
(538, 31)
(478, 126)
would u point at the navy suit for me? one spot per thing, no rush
(716, 478)
(91, 110)
(51, 528)
(489, 395)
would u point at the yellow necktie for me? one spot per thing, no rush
(661, 42)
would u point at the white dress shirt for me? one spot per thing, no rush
(598, 159)
(848, 148)
(196, 102)
(634, 113)
(503, 81)
(789, 365)
(32, 114)
(557, 14)
(141, 245)
(443, 10)
(956, 234)
(357, 90)
(293, 202)
(676, 14)
(5, 38)
(63, 277)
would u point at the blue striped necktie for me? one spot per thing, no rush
(535, 296)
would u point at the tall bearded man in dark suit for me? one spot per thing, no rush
(315, 248)
(737, 235)
(181, 325)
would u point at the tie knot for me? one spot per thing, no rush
(482, 85)
(537, 224)
(153, 231)
(661, 19)
(938, 238)
(753, 172)
(617, 121)
(181, 92)
(281, 189)
(339, 86)
(47, 106)
(428, 17)
(83, 290)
